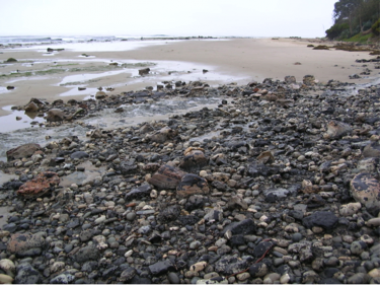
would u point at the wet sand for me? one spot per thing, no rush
(236, 60)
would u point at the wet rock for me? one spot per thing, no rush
(55, 115)
(326, 220)
(144, 71)
(27, 274)
(100, 95)
(366, 190)
(31, 107)
(39, 185)
(167, 177)
(336, 129)
(22, 151)
(192, 184)
(26, 244)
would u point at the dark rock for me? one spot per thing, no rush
(258, 269)
(27, 274)
(169, 214)
(324, 219)
(55, 115)
(245, 227)
(144, 71)
(372, 150)
(127, 274)
(336, 129)
(160, 267)
(191, 184)
(79, 155)
(87, 253)
(64, 278)
(138, 192)
(188, 220)
(194, 202)
(194, 160)
(262, 248)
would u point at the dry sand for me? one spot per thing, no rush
(238, 60)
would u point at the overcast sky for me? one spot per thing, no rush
(256, 18)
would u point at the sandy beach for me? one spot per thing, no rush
(57, 75)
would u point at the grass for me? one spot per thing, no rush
(359, 38)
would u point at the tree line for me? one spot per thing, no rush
(355, 19)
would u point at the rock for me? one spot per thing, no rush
(258, 269)
(303, 248)
(27, 274)
(167, 177)
(357, 247)
(127, 274)
(194, 160)
(336, 129)
(349, 209)
(31, 107)
(290, 79)
(369, 164)
(55, 115)
(192, 184)
(309, 80)
(79, 155)
(163, 135)
(230, 264)
(144, 71)
(375, 222)
(245, 227)
(372, 150)
(326, 220)
(87, 253)
(138, 192)
(263, 248)
(64, 278)
(5, 279)
(366, 190)
(100, 95)
(22, 151)
(7, 266)
(26, 244)
(39, 185)
(160, 267)
(173, 278)
(358, 278)
(169, 214)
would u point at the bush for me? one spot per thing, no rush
(375, 29)
(336, 30)
(11, 59)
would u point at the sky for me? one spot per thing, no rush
(251, 18)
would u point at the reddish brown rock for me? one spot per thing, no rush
(25, 150)
(26, 244)
(167, 177)
(39, 185)
(194, 159)
(192, 184)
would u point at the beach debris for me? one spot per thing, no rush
(9, 87)
(144, 71)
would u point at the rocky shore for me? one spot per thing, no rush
(279, 184)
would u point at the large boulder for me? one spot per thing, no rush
(22, 151)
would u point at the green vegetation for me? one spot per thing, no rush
(11, 59)
(356, 21)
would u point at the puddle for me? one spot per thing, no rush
(4, 90)
(81, 178)
(10, 123)
(75, 92)
(5, 177)
(88, 76)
